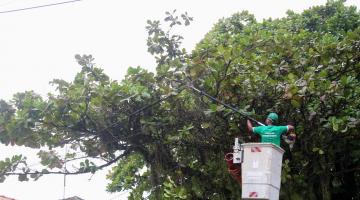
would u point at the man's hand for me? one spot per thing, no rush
(291, 136)
(290, 139)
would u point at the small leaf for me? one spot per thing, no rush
(205, 125)
(23, 177)
(335, 126)
(2, 179)
(34, 176)
(295, 103)
(315, 149)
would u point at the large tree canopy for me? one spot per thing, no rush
(169, 143)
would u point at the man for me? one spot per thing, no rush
(271, 133)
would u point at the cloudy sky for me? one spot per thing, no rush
(39, 45)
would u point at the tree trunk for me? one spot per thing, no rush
(325, 187)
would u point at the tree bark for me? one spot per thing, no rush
(325, 187)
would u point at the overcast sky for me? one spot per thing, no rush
(39, 45)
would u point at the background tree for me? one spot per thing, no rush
(169, 143)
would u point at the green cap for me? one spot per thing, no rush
(273, 117)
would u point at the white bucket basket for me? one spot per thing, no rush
(261, 171)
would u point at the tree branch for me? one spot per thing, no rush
(67, 172)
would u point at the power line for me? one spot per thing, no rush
(41, 6)
(64, 181)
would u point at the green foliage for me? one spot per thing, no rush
(11, 164)
(87, 166)
(127, 175)
(50, 159)
(304, 67)
(172, 191)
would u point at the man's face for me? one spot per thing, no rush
(268, 122)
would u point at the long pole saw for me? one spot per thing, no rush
(202, 93)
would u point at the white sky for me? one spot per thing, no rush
(39, 45)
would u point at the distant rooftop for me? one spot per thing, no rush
(71, 198)
(5, 198)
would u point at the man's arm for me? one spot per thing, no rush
(249, 126)
(254, 137)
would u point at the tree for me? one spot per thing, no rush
(169, 143)
(305, 67)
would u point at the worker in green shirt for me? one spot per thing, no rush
(271, 133)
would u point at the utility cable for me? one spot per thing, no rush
(40, 6)
(64, 189)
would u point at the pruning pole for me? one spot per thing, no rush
(202, 93)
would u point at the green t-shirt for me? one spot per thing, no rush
(270, 134)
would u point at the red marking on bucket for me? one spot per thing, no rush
(255, 149)
(253, 194)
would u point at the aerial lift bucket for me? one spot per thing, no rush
(261, 171)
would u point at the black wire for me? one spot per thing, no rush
(35, 7)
